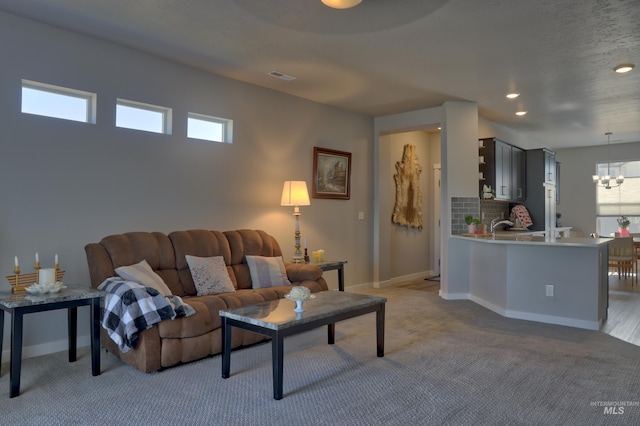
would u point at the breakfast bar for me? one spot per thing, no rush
(546, 279)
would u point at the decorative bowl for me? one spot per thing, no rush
(45, 288)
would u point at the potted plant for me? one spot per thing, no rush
(471, 224)
(623, 223)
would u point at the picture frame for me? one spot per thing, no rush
(331, 174)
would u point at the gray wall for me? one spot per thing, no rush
(577, 191)
(65, 184)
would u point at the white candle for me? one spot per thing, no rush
(15, 261)
(47, 276)
(37, 258)
(56, 259)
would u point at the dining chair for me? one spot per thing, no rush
(622, 257)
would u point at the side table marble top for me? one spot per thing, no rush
(71, 292)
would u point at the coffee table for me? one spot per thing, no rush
(277, 320)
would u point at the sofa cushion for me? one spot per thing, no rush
(210, 275)
(201, 243)
(248, 242)
(142, 274)
(267, 271)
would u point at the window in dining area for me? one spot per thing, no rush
(624, 200)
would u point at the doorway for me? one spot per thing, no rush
(435, 253)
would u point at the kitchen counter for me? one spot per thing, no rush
(527, 238)
(553, 280)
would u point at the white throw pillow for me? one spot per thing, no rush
(267, 271)
(210, 275)
(142, 274)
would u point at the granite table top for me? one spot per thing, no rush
(279, 314)
(71, 292)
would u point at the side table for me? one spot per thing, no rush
(334, 264)
(69, 298)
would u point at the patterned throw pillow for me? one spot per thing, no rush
(142, 274)
(210, 275)
(267, 271)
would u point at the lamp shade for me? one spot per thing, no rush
(294, 193)
(341, 4)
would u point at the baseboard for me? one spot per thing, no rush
(547, 319)
(359, 287)
(46, 348)
(410, 277)
(453, 296)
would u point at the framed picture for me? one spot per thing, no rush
(331, 174)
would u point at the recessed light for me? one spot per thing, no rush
(512, 95)
(281, 75)
(623, 68)
(521, 113)
(341, 4)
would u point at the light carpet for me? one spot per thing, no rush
(446, 362)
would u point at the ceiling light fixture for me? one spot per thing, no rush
(605, 181)
(512, 95)
(341, 4)
(624, 68)
(520, 113)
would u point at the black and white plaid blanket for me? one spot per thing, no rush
(130, 308)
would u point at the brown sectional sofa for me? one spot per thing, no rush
(172, 342)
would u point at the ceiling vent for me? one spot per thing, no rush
(280, 75)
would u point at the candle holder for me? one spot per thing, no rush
(19, 282)
(16, 274)
(306, 256)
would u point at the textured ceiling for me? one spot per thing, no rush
(390, 56)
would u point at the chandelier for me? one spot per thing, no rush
(606, 180)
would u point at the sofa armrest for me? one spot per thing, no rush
(297, 272)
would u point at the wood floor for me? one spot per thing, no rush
(623, 320)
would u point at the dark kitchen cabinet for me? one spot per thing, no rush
(502, 166)
(541, 187)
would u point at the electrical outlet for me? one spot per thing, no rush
(549, 290)
(360, 215)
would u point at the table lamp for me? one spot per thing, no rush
(294, 193)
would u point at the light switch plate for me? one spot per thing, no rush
(549, 290)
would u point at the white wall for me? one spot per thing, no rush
(65, 184)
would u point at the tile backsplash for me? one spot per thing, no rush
(473, 206)
(460, 208)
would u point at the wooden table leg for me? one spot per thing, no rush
(226, 348)
(380, 330)
(16, 353)
(94, 318)
(277, 349)
(331, 333)
(72, 326)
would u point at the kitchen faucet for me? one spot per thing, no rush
(494, 223)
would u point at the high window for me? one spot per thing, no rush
(209, 128)
(141, 116)
(58, 102)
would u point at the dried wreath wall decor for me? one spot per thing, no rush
(408, 208)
